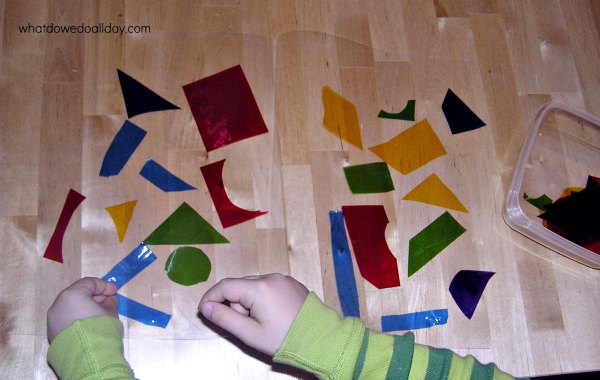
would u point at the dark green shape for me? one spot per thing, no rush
(540, 202)
(432, 240)
(188, 266)
(408, 113)
(185, 226)
(369, 178)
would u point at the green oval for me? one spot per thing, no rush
(188, 266)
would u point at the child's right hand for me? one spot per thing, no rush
(261, 308)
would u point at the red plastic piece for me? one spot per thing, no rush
(229, 214)
(366, 228)
(54, 249)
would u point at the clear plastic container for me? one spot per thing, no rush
(561, 149)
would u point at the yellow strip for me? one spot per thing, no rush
(420, 360)
(379, 355)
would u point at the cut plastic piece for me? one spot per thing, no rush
(366, 228)
(130, 266)
(342, 265)
(414, 321)
(408, 113)
(340, 117)
(540, 202)
(185, 226)
(224, 108)
(411, 149)
(140, 99)
(54, 249)
(188, 266)
(121, 215)
(433, 191)
(459, 116)
(229, 214)
(432, 240)
(466, 288)
(125, 270)
(369, 178)
(142, 313)
(162, 178)
(125, 142)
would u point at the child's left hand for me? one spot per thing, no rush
(85, 298)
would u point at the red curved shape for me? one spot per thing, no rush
(54, 249)
(229, 214)
(366, 228)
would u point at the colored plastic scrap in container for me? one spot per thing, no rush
(411, 149)
(340, 117)
(432, 240)
(366, 228)
(224, 108)
(229, 214)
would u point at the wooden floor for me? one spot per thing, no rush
(61, 105)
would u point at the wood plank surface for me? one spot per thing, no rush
(61, 105)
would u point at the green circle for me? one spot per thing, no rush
(188, 266)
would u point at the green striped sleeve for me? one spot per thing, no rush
(378, 356)
(400, 365)
(461, 368)
(438, 366)
(419, 363)
(361, 357)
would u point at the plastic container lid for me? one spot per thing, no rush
(560, 151)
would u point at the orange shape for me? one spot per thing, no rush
(121, 215)
(433, 191)
(411, 149)
(340, 117)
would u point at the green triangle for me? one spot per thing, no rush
(185, 226)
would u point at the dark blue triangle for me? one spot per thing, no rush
(459, 116)
(140, 99)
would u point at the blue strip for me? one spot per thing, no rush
(414, 321)
(342, 264)
(121, 148)
(142, 313)
(130, 266)
(162, 178)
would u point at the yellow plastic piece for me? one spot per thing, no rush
(121, 215)
(341, 117)
(433, 191)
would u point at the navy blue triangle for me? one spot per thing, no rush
(459, 116)
(139, 98)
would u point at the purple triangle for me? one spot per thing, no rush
(140, 99)
(467, 287)
(459, 116)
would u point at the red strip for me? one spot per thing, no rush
(229, 214)
(366, 228)
(54, 250)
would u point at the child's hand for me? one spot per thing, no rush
(88, 297)
(261, 308)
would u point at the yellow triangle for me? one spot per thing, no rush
(121, 215)
(341, 117)
(433, 191)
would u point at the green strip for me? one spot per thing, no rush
(361, 356)
(540, 202)
(408, 113)
(402, 356)
(185, 226)
(438, 366)
(369, 178)
(432, 240)
(481, 372)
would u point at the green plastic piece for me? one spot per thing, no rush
(188, 266)
(185, 226)
(408, 113)
(540, 202)
(432, 240)
(369, 178)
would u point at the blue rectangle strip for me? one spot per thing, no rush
(342, 264)
(130, 266)
(414, 321)
(125, 142)
(142, 313)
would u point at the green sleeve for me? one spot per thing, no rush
(330, 347)
(90, 348)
